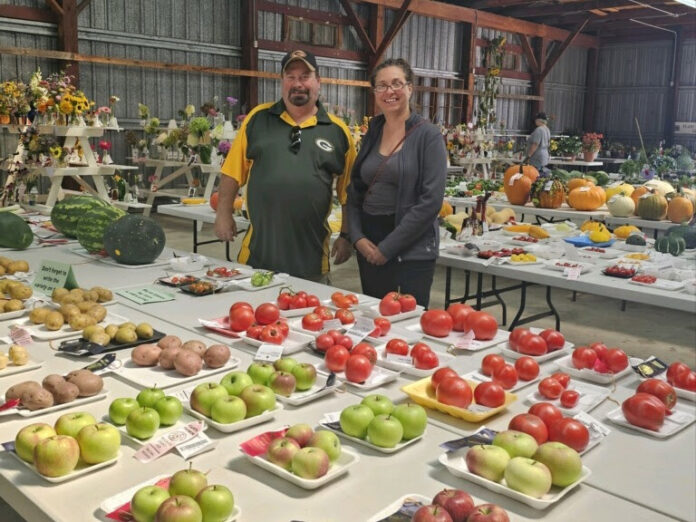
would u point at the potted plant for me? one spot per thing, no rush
(591, 143)
(569, 147)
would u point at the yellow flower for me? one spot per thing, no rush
(117, 177)
(56, 151)
(65, 107)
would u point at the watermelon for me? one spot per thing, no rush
(134, 240)
(66, 213)
(91, 227)
(14, 231)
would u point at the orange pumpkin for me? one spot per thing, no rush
(578, 182)
(238, 204)
(528, 170)
(636, 194)
(680, 209)
(446, 209)
(214, 201)
(518, 183)
(588, 197)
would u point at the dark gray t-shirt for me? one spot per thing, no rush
(542, 137)
(381, 199)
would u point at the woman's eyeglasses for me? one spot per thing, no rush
(396, 85)
(295, 139)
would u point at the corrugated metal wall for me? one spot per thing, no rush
(686, 107)
(565, 90)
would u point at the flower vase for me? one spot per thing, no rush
(113, 123)
(215, 157)
(106, 158)
(205, 153)
(96, 122)
(589, 155)
(79, 121)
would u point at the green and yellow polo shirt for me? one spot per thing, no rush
(288, 195)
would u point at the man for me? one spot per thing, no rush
(288, 154)
(538, 142)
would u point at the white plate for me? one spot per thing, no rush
(477, 376)
(147, 376)
(409, 369)
(364, 442)
(394, 507)
(377, 378)
(315, 392)
(454, 337)
(160, 261)
(296, 325)
(512, 354)
(591, 396)
(346, 459)
(297, 312)
(41, 333)
(12, 369)
(293, 343)
(527, 243)
(397, 332)
(13, 315)
(22, 412)
(551, 264)
(598, 430)
(456, 465)
(521, 263)
(363, 301)
(373, 311)
(566, 365)
(245, 284)
(681, 392)
(671, 426)
(161, 431)
(80, 470)
(661, 284)
(243, 273)
(609, 253)
(235, 426)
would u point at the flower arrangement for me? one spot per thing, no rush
(231, 101)
(105, 147)
(120, 187)
(592, 142)
(143, 111)
(14, 100)
(223, 148)
(569, 146)
(493, 61)
(152, 126)
(209, 108)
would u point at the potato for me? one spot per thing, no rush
(59, 293)
(104, 294)
(166, 358)
(69, 310)
(85, 306)
(16, 391)
(98, 312)
(92, 296)
(91, 330)
(36, 399)
(19, 355)
(38, 315)
(101, 338)
(146, 354)
(65, 392)
(216, 356)
(13, 305)
(2, 270)
(188, 363)
(88, 382)
(144, 331)
(4, 361)
(111, 330)
(81, 321)
(78, 291)
(169, 341)
(51, 381)
(195, 346)
(17, 266)
(127, 324)
(54, 321)
(71, 299)
(125, 336)
(5, 261)
(2, 304)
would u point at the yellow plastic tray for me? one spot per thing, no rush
(422, 393)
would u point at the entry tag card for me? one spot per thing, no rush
(331, 324)
(464, 341)
(52, 275)
(269, 353)
(362, 327)
(146, 295)
(154, 450)
(195, 446)
(482, 436)
(400, 359)
(651, 367)
(572, 273)
(406, 511)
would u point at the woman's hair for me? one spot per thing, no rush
(393, 62)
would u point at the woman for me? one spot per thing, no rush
(396, 191)
(538, 143)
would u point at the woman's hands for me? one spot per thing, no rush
(370, 251)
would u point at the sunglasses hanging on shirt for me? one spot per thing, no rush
(295, 139)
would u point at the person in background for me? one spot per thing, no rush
(396, 191)
(538, 143)
(289, 154)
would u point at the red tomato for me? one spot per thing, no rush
(569, 398)
(454, 391)
(616, 360)
(282, 325)
(561, 377)
(266, 313)
(437, 323)
(335, 335)
(483, 324)
(527, 368)
(324, 342)
(532, 344)
(570, 432)
(547, 412)
(530, 424)
(491, 363)
(675, 369)
(407, 302)
(426, 360)
(550, 388)
(419, 348)
(254, 331)
(298, 301)
(645, 411)
(346, 341)
(584, 357)
(516, 336)
(241, 318)
(601, 350)
(489, 394)
(345, 316)
(336, 358)
(366, 350)
(312, 322)
(340, 301)
(397, 346)
(660, 389)
(459, 311)
(506, 376)
(241, 304)
(352, 298)
(283, 300)
(312, 300)
(686, 381)
(440, 375)
(324, 312)
(554, 339)
(358, 368)
(270, 334)
(302, 293)
(390, 305)
(383, 324)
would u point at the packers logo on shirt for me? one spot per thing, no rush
(324, 145)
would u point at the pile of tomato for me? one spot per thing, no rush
(526, 342)
(395, 303)
(600, 358)
(289, 300)
(546, 422)
(460, 318)
(341, 300)
(422, 356)
(314, 321)
(507, 375)
(264, 323)
(453, 390)
(356, 362)
(644, 278)
(620, 271)
(503, 252)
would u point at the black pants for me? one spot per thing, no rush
(408, 277)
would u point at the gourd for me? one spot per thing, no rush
(680, 209)
(621, 205)
(601, 177)
(445, 210)
(652, 206)
(637, 193)
(91, 227)
(134, 240)
(601, 235)
(590, 225)
(538, 232)
(674, 245)
(617, 188)
(578, 182)
(67, 213)
(687, 232)
(635, 239)
(624, 231)
(518, 182)
(502, 216)
(547, 193)
(586, 198)
(661, 187)
(14, 232)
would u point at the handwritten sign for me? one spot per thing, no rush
(52, 275)
(146, 295)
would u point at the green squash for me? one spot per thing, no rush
(652, 206)
(91, 227)
(67, 213)
(14, 232)
(601, 177)
(670, 245)
(685, 231)
(134, 240)
(635, 239)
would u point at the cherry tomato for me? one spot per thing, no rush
(383, 324)
(312, 322)
(550, 388)
(660, 389)
(584, 357)
(426, 360)
(336, 358)
(459, 311)
(532, 345)
(489, 394)
(437, 323)
(506, 376)
(397, 346)
(527, 368)
(266, 313)
(616, 360)
(570, 432)
(569, 398)
(561, 377)
(554, 339)
(358, 368)
(440, 375)
(547, 412)
(530, 424)
(366, 350)
(454, 391)
(490, 363)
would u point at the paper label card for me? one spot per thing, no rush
(269, 353)
(146, 295)
(572, 273)
(52, 275)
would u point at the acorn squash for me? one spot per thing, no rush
(674, 245)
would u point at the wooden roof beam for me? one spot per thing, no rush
(55, 6)
(645, 14)
(529, 54)
(559, 50)
(82, 5)
(359, 28)
(27, 13)
(492, 4)
(402, 15)
(567, 8)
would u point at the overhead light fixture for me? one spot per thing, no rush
(688, 3)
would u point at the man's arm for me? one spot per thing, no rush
(225, 226)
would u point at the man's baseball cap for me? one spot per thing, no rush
(307, 58)
(541, 116)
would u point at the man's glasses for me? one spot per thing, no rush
(295, 139)
(396, 85)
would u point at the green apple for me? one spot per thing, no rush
(528, 476)
(146, 502)
(120, 408)
(99, 443)
(285, 364)
(258, 398)
(56, 456)
(216, 502)
(301, 433)
(204, 395)
(413, 419)
(487, 461)
(187, 482)
(149, 396)
(260, 372)
(235, 382)
(355, 419)
(30, 436)
(142, 423)
(563, 462)
(328, 441)
(169, 409)
(310, 463)
(71, 423)
(281, 451)
(516, 443)
(305, 375)
(385, 431)
(282, 383)
(378, 403)
(228, 409)
(179, 508)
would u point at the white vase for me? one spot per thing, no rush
(106, 158)
(113, 123)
